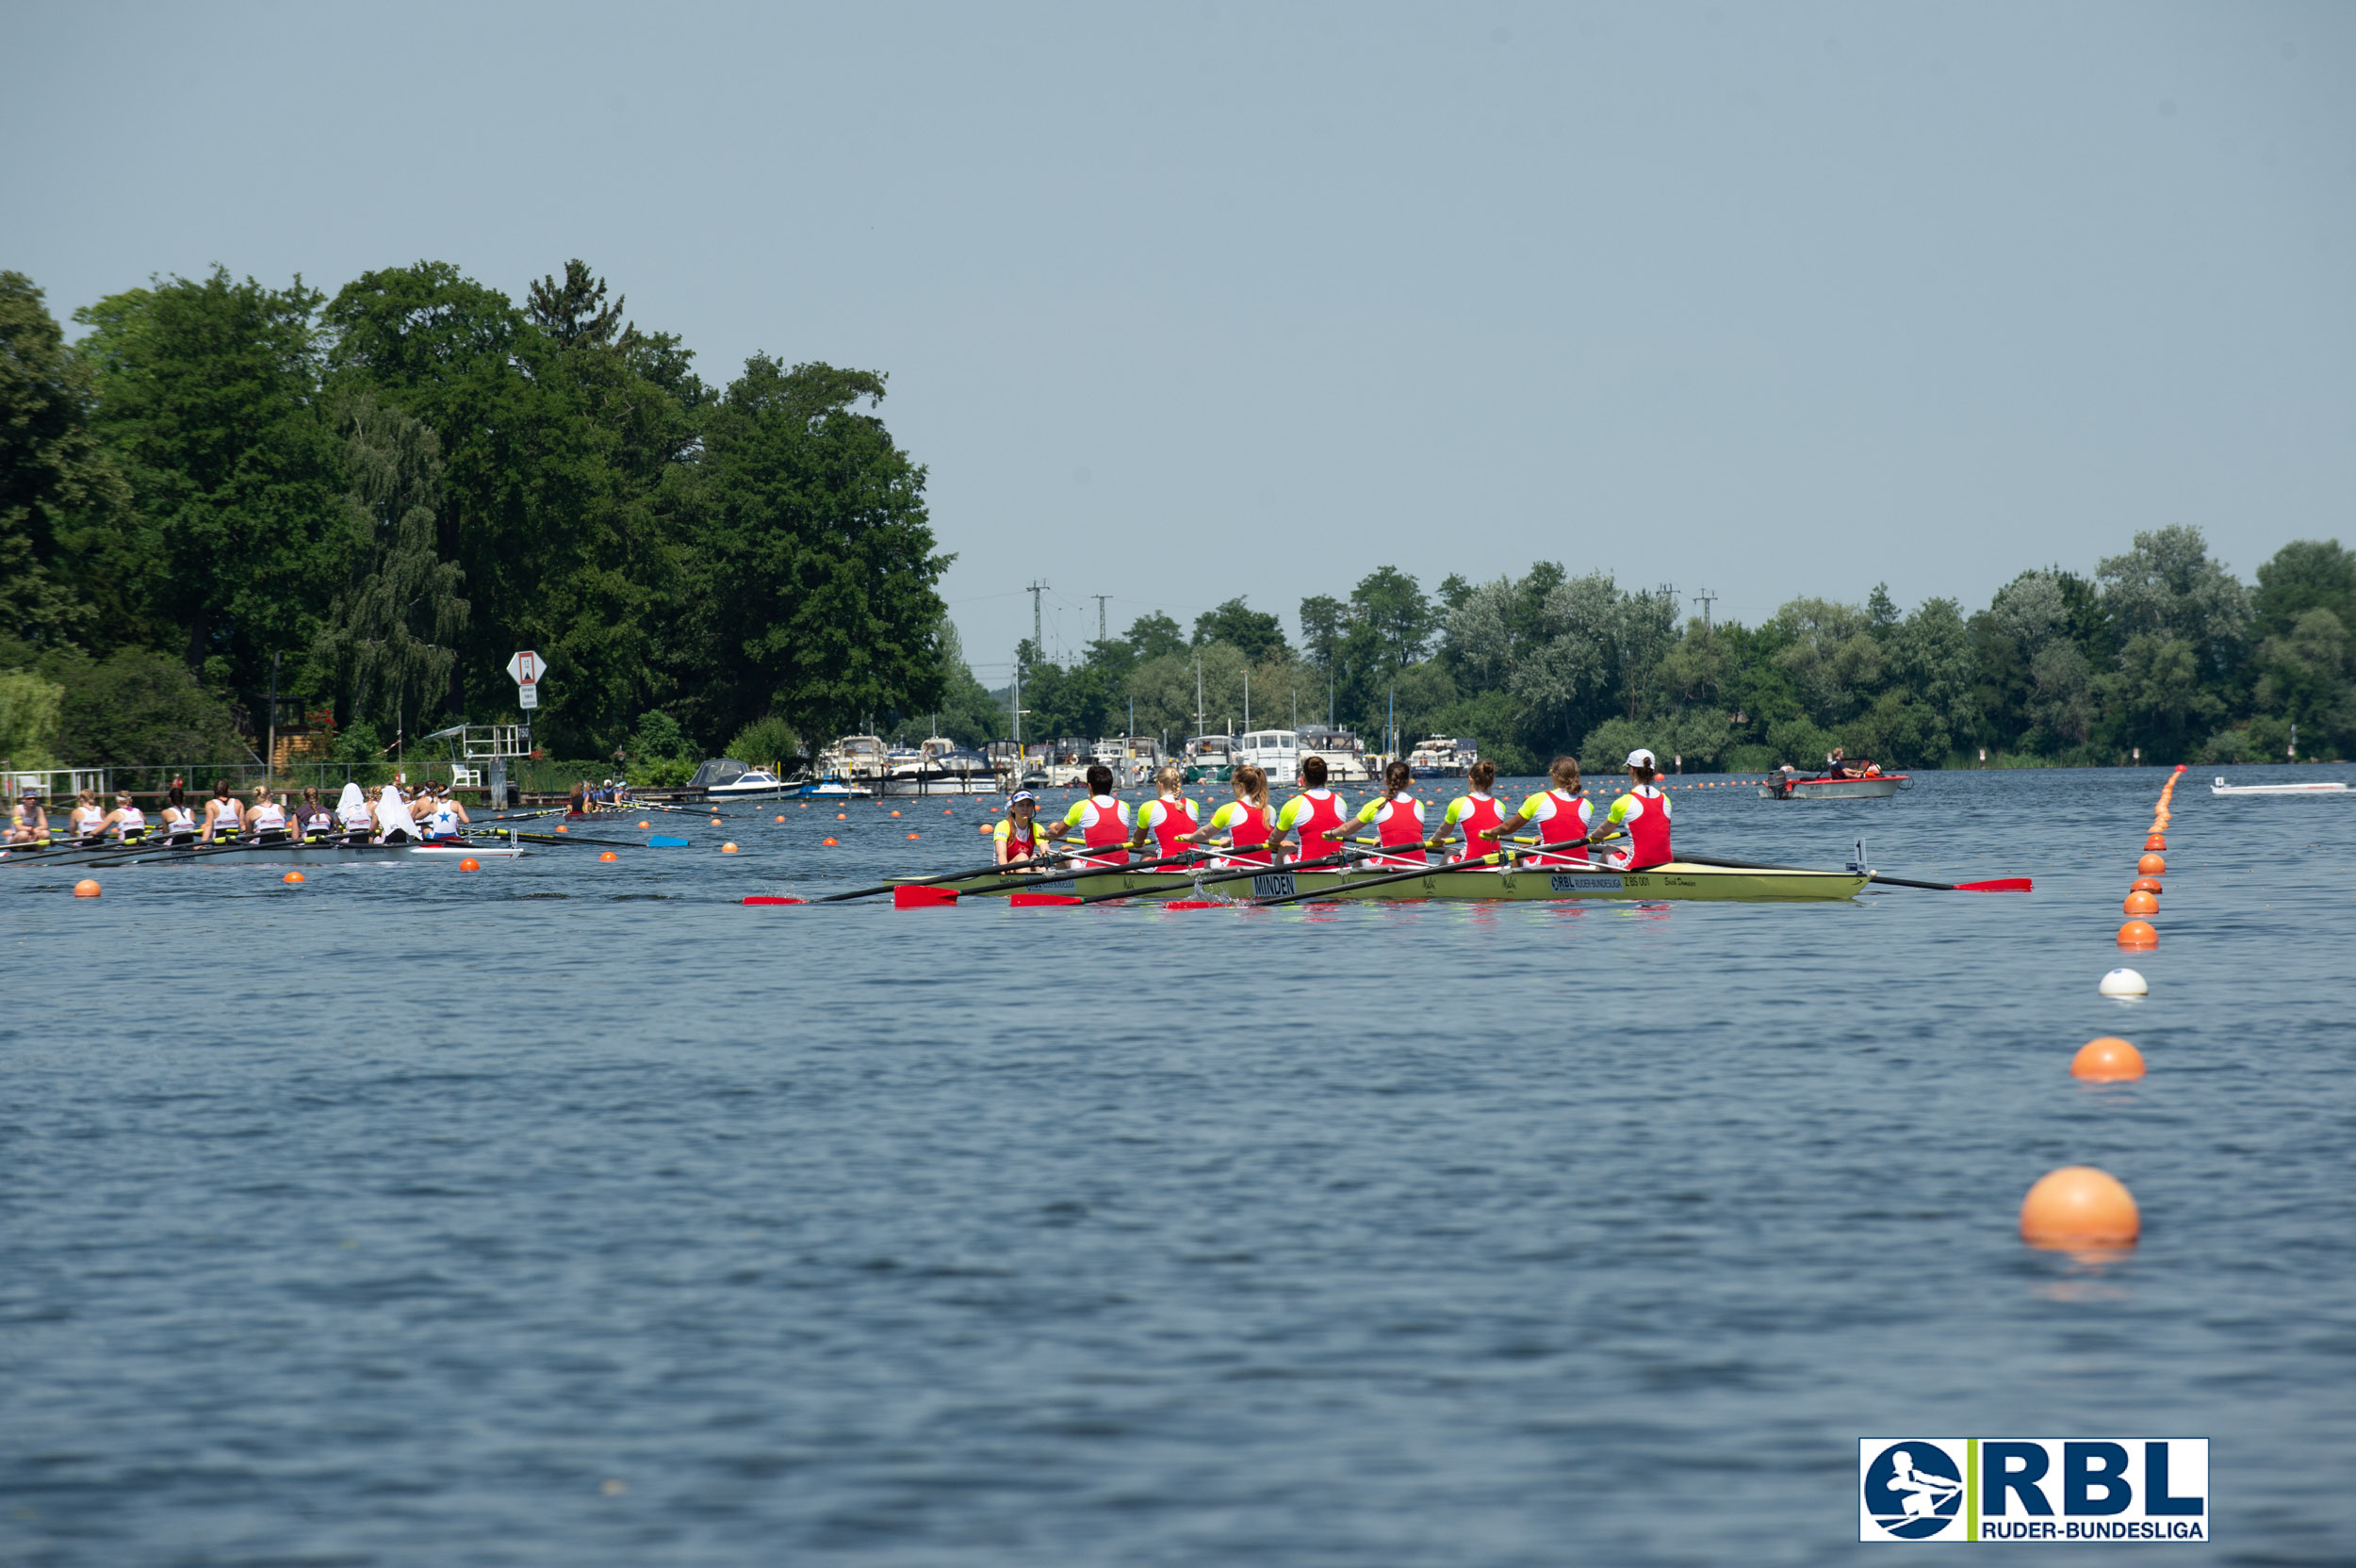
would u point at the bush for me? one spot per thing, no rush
(29, 719)
(139, 707)
(766, 743)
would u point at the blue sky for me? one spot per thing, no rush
(1184, 301)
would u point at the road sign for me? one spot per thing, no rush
(526, 668)
(529, 695)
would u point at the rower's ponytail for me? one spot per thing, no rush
(1481, 776)
(1397, 775)
(1253, 780)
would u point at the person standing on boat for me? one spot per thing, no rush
(1642, 814)
(267, 818)
(126, 824)
(1247, 820)
(1170, 817)
(1474, 813)
(1397, 819)
(180, 824)
(1314, 817)
(1018, 840)
(1101, 819)
(1563, 816)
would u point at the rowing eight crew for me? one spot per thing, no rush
(1317, 820)
(428, 815)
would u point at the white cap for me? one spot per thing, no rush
(1640, 757)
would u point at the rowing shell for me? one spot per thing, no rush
(1676, 880)
(315, 855)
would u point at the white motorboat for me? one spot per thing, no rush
(1275, 752)
(1345, 754)
(1443, 757)
(2320, 787)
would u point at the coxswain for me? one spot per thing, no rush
(1018, 840)
(1563, 816)
(1099, 819)
(179, 822)
(1642, 814)
(1474, 813)
(266, 818)
(87, 820)
(1397, 819)
(126, 824)
(223, 817)
(1169, 817)
(28, 824)
(352, 815)
(1314, 817)
(1247, 820)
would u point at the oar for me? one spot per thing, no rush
(567, 839)
(1018, 883)
(1999, 885)
(1225, 874)
(932, 881)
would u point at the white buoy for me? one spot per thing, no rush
(2123, 982)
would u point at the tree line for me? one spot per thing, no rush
(226, 494)
(2162, 653)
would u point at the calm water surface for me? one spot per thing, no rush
(569, 1212)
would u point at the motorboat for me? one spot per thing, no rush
(1211, 760)
(940, 766)
(1877, 786)
(1275, 752)
(2319, 787)
(1443, 757)
(1345, 754)
(726, 778)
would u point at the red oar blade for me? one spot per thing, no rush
(1196, 904)
(2002, 885)
(1035, 901)
(760, 898)
(921, 898)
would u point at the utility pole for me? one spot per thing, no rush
(1707, 598)
(1198, 690)
(270, 758)
(1039, 639)
(1099, 599)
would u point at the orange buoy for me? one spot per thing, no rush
(727, 849)
(2141, 903)
(914, 835)
(470, 863)
(781, 816)
(86, 888)
(715, 822)
(2146, 884)
(562, 829)
(895, 813)
(948, 810)
(805, 805)
(2139, 933)
(2108, 1060)
(2079, 1207)
(2152, 865)
(608, 855)
(292, 876)
(825, 841)
(984, 829)
(645, 825)
(2156, 843)
(843, 816)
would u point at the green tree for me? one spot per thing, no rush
(390, 635)
(61, 502)
(1154, 635)
(137, 707)
(29, 719)
(2305, 574)
(1255, 634)
(208, 392)
(814, 594)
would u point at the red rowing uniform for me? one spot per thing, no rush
(1173, 819)
(1318, 818)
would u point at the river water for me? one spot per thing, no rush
(570, 1212)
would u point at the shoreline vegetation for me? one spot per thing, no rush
(228, 510)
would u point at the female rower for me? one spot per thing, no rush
(394, 824)
(1397, 819)
(266, 818)
(221, 815)
(352, 815)
(442, 814)
(1642, 814)
(1315, 814)
(577, 805)
(312, 820)
(1018, 839)
(87, 821)
(1247, 820)
(1474, 813)
(1563, 812)
(180, 824)
(1102, 821)
(126, 824)
(1171, 816)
